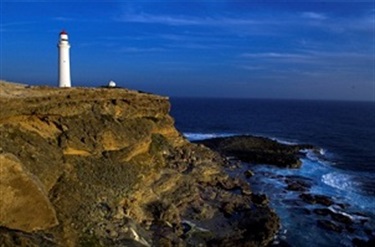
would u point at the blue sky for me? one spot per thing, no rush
(233, 49)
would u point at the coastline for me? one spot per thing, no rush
(112, 169)
(296, 193)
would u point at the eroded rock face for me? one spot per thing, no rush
(114, 171)
(24, 202)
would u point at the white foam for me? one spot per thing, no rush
(282, 141)
(319, 157)
(339, 181)
(337, 211)
(202, 136)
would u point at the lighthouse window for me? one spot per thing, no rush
(64, 39)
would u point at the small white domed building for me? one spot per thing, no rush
(111, 84)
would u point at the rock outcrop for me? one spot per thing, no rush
(24, 201)
(258, 150)
(106, 167)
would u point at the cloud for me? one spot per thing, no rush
(250, 67)
(311, 63)
(161, 19)
(274, 55)
(141, 50)
(307, 54)
(61, 18)
(185, 20)
(361, 23)
(314, 15)
(15, 26)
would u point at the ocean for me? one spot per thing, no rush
(343, 170)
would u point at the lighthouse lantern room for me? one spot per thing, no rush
(64, 61)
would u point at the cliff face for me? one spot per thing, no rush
(100, 167)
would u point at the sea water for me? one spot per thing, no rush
(344, 169)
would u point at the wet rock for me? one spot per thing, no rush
(260, 199)
(337, 217)
(246, 191)
(296, 186)
(308, 198)
(369, 232)
(323, 200)
(350, 229)
(228, 208)
(329, 225)
(316, 199)
(297, 183)
(254, 227)
(280, 243)
(341, 218)
(229, 183)
(364, 243)
(258, 150)
(322, 211)
(248, 173)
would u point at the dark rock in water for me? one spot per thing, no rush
(329, 225)
(323, 200)
(316, 199)
(296, 186)
(280, 243)
(297, 183)
(256, 228)
(343, 205)
(337, 217)
(258, 150)
(322, 211)
(308, 198)
(249, 173)
(350, 229)
(306, 211)
(363, 243)
(369, 232)
(260, 199)
(341, 218)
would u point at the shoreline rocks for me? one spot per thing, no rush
(326, 212)
(258, 150)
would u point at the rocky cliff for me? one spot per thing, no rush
(106, 167)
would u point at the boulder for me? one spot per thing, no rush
(24, 204)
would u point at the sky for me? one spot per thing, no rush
(228, 49)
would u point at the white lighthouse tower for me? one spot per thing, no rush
(64, 61)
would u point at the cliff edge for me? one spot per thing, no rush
(106, 167)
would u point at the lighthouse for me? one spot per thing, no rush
(64, 61)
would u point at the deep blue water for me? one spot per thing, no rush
(345, 169)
